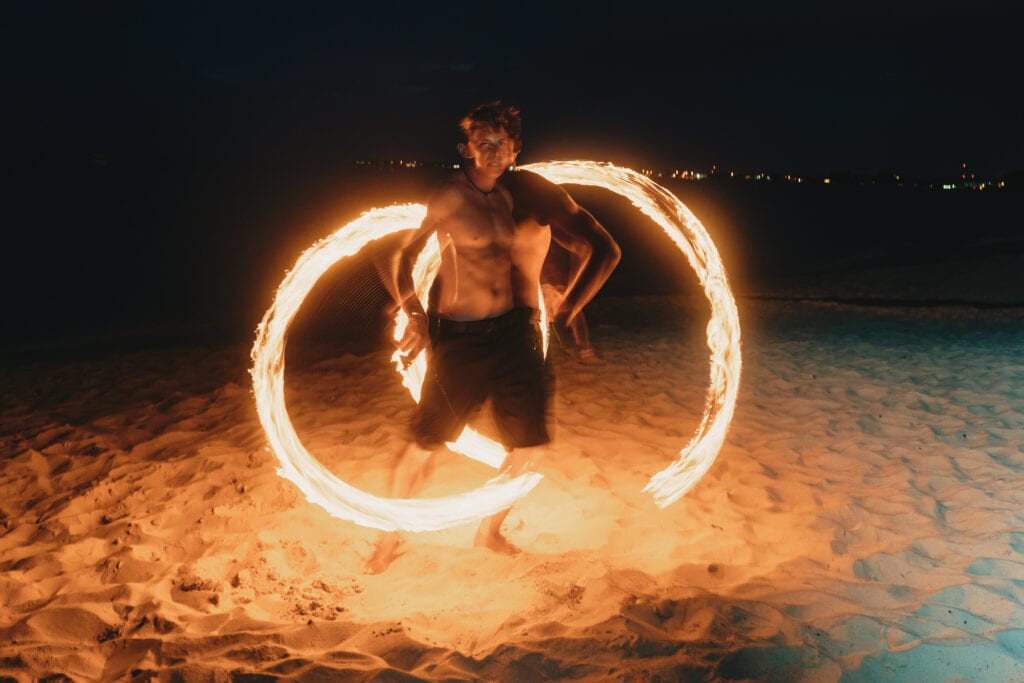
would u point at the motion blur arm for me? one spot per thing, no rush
(439, 209)
(595, 254)
(404, 289)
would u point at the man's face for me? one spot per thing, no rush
(492, 150)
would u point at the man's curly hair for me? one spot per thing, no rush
(493, 115)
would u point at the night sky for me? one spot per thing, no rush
(168, 161)
(805, 88)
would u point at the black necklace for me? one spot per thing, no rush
(486, 193)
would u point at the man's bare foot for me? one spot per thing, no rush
(386, 552)
(496, 542)
(585, 355)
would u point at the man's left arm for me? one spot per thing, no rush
(596, 253)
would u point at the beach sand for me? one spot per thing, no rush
(863, 521)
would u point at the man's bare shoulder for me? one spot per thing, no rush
(447, 198)
(527, 182)
(536, 197)
(447, 191)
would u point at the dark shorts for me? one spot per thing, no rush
(470, 361)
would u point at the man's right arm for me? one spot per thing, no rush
(415, 337)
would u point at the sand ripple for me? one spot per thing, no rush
(862, 522)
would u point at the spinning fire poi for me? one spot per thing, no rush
(499, 249)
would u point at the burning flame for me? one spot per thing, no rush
(346, 502)
(296, 464)
(723, 330)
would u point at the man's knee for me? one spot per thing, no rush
(429, 431)
(415, 457)
(427, 442)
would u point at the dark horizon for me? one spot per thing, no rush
(964, 176)
(170, 162)
(196, 258)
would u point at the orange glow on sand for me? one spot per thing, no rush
(346, 502)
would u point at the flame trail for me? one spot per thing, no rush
(723, 330)
(346, 502)
(296, 464)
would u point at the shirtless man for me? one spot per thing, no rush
(482, 326)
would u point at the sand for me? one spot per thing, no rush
(863, 521)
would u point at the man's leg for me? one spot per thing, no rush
(409, 475)
(447, 399)
(521, 396)
(584, 352)
(489, 534)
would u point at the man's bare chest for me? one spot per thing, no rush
(482, 226)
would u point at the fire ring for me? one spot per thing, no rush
(425, 514)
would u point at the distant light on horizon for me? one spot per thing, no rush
(966, 180)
